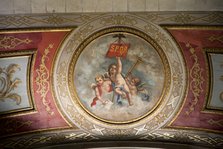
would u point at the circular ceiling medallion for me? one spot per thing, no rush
(119, 77)
(114, 75)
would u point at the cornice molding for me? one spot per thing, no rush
(77, 19)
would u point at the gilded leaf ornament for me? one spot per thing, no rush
(8, 83)
(42, 80)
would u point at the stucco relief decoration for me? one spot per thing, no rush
(119, 79)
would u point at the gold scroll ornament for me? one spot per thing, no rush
(42, 80)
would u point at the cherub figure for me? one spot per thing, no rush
(120, 86)
(101, 88)
(133, 83)
(137, 87)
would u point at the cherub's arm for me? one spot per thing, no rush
(119, 65)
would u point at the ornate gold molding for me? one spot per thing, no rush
(216, 38)
(76, 136)
(77, 19)
(207, 140)
(70, 136)
(218, 122)
(155, 135)
(182, 18)
(184, 137)
(44, 20)
(32, 140)
(10, 42)
(42, 80)
(196, 79)
(12, 125)
(26, 142)
(118, 20)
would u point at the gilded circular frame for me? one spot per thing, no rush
(164, 88)
(78, 40)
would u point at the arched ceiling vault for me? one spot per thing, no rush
(102, 79)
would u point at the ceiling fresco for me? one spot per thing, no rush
(113, 77)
